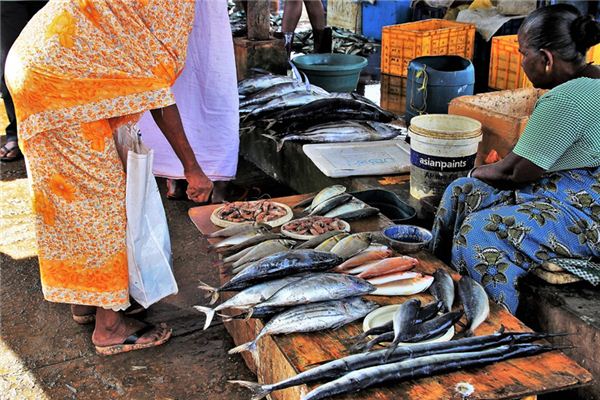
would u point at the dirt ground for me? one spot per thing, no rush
(44, 354)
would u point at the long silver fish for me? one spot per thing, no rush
(328, 244)
(240, 238)
(352, 205)
(319, 287)
(252, 85)
(288, 100)
(236, 256)
(311, 317)
(331, 203)
(341, 366)
(248, 297)
(475, 303)
(325, 194)
(250, 242)
(273, 92)
(352, 245)
(237, 229)
(442, 288)
(265, 249)
(316, 241)
(421, 366)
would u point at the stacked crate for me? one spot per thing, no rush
(505, 63)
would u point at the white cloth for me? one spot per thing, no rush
(207, 98)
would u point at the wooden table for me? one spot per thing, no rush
(283, 356)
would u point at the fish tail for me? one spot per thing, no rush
(258, 390)
(250, 346)
(210, 314)
(390, 350)
(249, 314)
(213, 292)
(270, 123)
(468, 333)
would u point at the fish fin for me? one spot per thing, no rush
(225, 317)
(249, 346)
(210, 289)
(306, 83)
(258, 390)
(500, 330)
(468, 333)
(210, 314)
(295, 72)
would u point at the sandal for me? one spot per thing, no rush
(130, 343)
(11, 153)
(135, 310)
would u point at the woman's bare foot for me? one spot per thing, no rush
(81, 311)
(113, 328)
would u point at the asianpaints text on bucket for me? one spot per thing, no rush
(442, 148)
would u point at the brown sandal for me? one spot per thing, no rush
(12, 153)
(130, 343)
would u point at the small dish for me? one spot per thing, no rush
(345, 228)
(407, 238)
(384, 314)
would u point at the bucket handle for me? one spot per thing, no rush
(423, 88)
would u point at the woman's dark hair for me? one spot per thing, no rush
(561, 29)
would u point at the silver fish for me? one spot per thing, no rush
(237, 229)
(253, 241)
(272, 92)
(325, 194)
(331, 203)
(288, 100)
(352, 205)
(358, 214)
(319, 287)
(442, 288)
(403, 319)
(239, 238)
(328, 244)
(316, 241)
(248, 297)
(352, 245)
(265, 249)
(253, 85)
(234, 257)
(311, 317)
(475, 303)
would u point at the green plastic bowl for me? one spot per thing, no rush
(332, 72)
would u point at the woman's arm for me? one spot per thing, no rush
(509, 173)
(169, 122)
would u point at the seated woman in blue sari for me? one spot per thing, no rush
(542, 201)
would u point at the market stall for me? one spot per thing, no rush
(280, 357)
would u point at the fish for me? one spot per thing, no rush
(389, 266)
(239, 228)
(273, 92)
(328, 244)
(429, 311)
(339, 367)
(353, 210)
(311, 317)
(319, 287)
(417, 333)
(316, 241)
(442, 288)
(331, 203)
(265, 249)
(242, 267)
(236, 256)
(393, 277)
(325, 194)
(412, 368)
(286, 101)
(404, 287)
(352, 205)
(253, 85)
(239, 238)
(255, 312)
(253, 241)
(475, 302)
(364, 257)
(248, 297)
(402, 322)
(362, 135)
(274, 266)
(352, 245)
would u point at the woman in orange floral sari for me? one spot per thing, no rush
(79, 70)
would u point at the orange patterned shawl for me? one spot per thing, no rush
(99, 59)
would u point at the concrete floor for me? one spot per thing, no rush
(44, 354)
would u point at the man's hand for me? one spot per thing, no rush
(199, 186)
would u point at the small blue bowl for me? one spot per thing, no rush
(407, 238)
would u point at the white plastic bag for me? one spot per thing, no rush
(148, 243)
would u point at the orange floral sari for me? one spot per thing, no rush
(80, 69)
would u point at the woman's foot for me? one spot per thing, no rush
(114, 333)
(83, 314)
(10, 152)
(176, 189)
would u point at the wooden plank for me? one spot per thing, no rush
(345, 14)
(283, 356)
(258, 20)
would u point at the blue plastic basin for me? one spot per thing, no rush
(332, 72)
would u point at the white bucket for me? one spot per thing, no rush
(442, 148)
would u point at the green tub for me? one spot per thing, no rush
(332, 72)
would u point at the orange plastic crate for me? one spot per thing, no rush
(393, 93)
(402, 43)
(505, 63)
